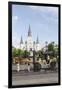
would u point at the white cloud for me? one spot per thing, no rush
(45, 9)
(34, 7)
(15, 42)
(15, 17)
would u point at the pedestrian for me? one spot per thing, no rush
(18, 67)
(28, 67)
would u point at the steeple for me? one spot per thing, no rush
(34, 42)
(25, 42)
(21, 41)
(29, 31)
(37, 41)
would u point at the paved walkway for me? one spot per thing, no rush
(24, 78)
(14, 72)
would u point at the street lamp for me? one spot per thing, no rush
(34, 60)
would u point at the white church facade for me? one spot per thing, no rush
(29, 44)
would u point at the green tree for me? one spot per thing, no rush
(26, 53)
(39, 54)
(18, 52)
(54, 48)
(51, 46)
(13, 52)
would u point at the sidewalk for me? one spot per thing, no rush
(32, 72)
(27, 78)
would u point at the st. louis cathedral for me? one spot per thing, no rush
(29, 44)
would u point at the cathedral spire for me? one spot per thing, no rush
(21, 41)
(29, 31)
(37, 41)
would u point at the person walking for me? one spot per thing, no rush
(28, 67)
(18, 67)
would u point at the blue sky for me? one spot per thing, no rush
(43, 22)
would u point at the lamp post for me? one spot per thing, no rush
(46, 50)
(34, 60)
